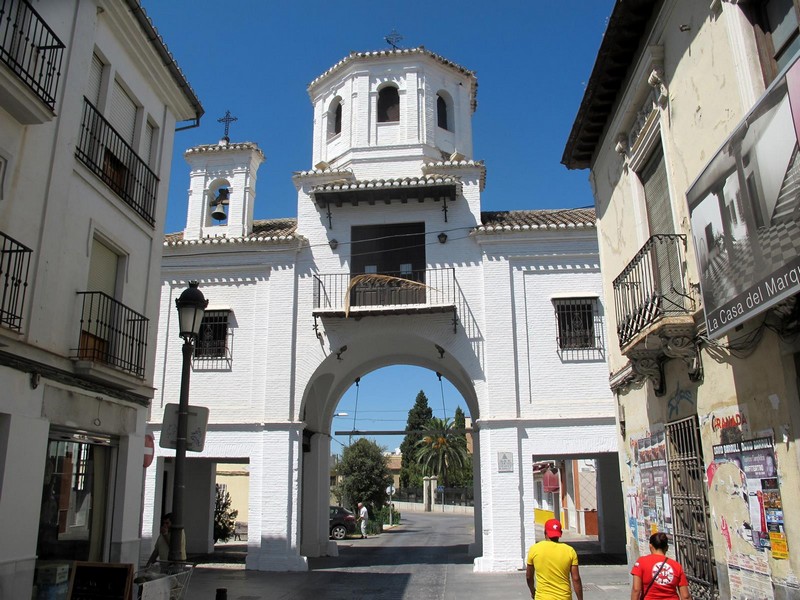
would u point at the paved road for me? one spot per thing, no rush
(424, 558)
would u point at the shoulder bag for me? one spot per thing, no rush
(653, 580)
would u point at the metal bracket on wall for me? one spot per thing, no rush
(316, 328)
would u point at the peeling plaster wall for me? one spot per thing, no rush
(708, 89)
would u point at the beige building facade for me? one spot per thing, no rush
(688, 126)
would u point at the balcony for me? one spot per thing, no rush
(654, 308)
(112, 159)
(15, 262)
(33, 54)
(111, 334)
(413, 292)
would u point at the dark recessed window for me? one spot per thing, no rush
(441, 112)
(213, 339)
(388, 105)
(335, 118)
(576, 323)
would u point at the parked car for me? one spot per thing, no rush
(342, 522)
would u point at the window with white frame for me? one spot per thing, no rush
(576, 323)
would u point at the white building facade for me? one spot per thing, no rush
(89, 102)
(389, 261)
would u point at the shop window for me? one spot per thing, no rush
(72, 522)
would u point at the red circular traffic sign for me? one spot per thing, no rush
(149, 449)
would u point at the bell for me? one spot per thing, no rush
(219, 213)
(218, 203)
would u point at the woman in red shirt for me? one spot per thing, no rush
(657, 576)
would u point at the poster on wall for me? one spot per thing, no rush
(743, 207)
(749, 484)
(653, 502)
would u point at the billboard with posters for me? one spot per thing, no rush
(745, 211)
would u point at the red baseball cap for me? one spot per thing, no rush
(552, 529)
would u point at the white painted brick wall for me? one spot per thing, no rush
(524, 398)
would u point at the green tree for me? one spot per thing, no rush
(224, 517)
(461, 477)
(441, 450)
(418, 417)
(365, 475)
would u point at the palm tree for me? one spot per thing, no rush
(441, 449)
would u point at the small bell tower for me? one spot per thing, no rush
(222, 187)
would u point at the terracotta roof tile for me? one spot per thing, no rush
(521, 220)
(264, 230)
(354, 56)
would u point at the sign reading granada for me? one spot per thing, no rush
(745, 210)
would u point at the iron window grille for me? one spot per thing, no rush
(112, 334)
(15, 261)
(31, 49)
(578, 328)
(212, 343)
(104, 151)
(690, 510)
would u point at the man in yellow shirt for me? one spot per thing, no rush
(554, 565)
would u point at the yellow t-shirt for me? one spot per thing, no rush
(552, 562)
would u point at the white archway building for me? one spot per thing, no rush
(507, 307)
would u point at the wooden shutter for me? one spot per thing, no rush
(95, 80)
(103, 269)
(147, 144)
(656, 193)
(122, 113)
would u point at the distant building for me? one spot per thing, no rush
(90, 99)
(390, 260)
(689, 127)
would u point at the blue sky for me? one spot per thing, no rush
(256, 58)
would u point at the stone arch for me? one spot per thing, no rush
(212, 197)
(321, 395)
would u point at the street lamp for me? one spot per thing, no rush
(191, 307)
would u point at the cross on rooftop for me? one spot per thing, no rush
(227, 119)
(393, 38)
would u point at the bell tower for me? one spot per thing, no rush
(222, 189)
(392, 110)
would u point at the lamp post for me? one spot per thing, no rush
(191, 307)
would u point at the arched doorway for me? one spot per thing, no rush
(324, 397)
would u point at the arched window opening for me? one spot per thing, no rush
(388, 105)
(335, 118)
(441, 112)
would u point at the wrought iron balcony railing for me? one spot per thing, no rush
(15, 262)
(30, 49)
(112, 159)
(652, 286)
(358, 291)
(112, 333)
